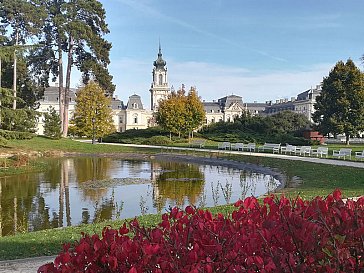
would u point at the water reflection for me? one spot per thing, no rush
(92, 189)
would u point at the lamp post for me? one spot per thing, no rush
(93, 130)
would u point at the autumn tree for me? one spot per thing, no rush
(340, 106)
(181, 113)
(92, 117)
(194, 112)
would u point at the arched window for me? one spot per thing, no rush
(160, 79)
(135, 119)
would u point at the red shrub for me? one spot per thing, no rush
(322, 235)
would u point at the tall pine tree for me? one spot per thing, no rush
(340, 106)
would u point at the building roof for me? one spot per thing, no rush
(227, 101)
(135, 102)
(51, 94)
(159, 63)
(212, 107)
(117, 104)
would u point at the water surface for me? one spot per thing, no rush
(91, 189)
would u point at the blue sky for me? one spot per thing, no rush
(260, 50)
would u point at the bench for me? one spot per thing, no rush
(270, 146)
(320, 151)
(288, 149)
(343, 152)
(198, 143)
(359, 155)
(237, 146)
(249, 147)
(224, 145)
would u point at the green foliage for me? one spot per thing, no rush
(157, 140)
(92, 117)
(280, 128)
(181, 114)
(340, 106)
(3, 142)
(52, 124)
(16, 135)
(23, 120)
(135, 136)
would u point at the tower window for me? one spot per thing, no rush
(160, 79)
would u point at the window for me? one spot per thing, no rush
(211, 110)
(212, 120)
(120, 120)
(135, 119)
(206, 121)
(135, 105)
(160, 79)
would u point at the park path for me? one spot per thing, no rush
(32, 264)
(337, 162)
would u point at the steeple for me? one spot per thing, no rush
(159, 89)
(159, 63)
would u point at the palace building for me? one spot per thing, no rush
(133, 115)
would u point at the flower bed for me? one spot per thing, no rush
(280, 235)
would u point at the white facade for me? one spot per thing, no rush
(51, 99)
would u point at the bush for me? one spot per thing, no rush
(16, 135)
(3, 142)
(280, 235)
(157, 140)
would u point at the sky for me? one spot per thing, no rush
(258, 49)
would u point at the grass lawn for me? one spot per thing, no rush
(317, 179)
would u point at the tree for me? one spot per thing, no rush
(194, 111)
(92, 117)
(170, 114)
(24, 17)
(288, 121)
(52, 124)
(340, 106)
(180, 113)
(75, 27)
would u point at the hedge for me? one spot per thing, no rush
(280, 235)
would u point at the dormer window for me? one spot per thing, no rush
(211, 110)
(135, 105)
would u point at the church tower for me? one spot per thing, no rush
(159, 89)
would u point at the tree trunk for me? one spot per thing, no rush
(0, 113)
(60, 83)
(1, 215)
(14, 74)
(68, 84)
(347, 137)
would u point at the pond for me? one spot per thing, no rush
(80, 190)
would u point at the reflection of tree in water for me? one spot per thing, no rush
(92, 169)
(106, 210)
(16, 199)
(248, 183)
(178, 182)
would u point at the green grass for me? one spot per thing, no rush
(318, 179)
(49, 242)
